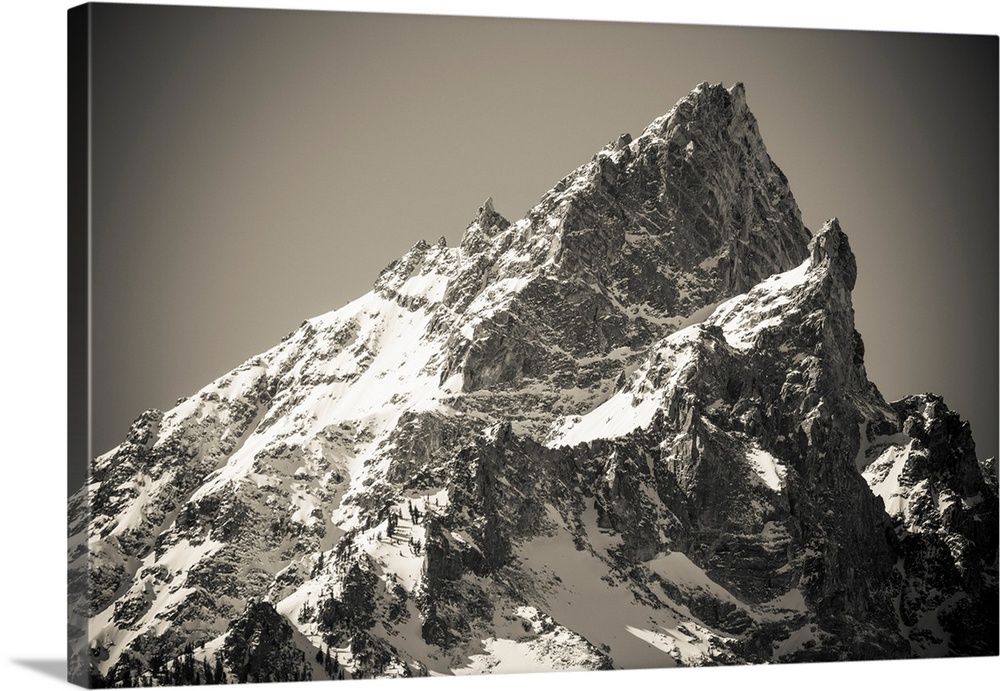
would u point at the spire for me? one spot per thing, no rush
(830, 247)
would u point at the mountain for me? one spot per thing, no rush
(631, 429)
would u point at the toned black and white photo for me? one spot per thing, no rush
(432, 346)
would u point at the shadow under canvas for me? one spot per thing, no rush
(49, 667)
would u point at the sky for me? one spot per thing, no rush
(255, 168)
(33, 290)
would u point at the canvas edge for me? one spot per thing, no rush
(78, 311)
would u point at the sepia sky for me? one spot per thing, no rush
(255, 168)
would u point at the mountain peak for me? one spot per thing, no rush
(831, 248)
(709, 108)
(707, 89)
(480, 231)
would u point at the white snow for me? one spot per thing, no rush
(698, 316)
(791, 602)
(540, 645)
(883, 474)
(590, 601)
(745, 316)
(430, 286)
(795, 641)
(634, 405)
(614, 418)
(768, 468)
(687, 643)
(178, 560)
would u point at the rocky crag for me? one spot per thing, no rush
(632, 429)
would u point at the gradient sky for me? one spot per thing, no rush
(255, 168)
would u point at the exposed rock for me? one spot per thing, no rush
(944, 511)
(259, 647)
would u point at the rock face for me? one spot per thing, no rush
(632, 429)
(944, 512)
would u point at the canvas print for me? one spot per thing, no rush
(665, 394)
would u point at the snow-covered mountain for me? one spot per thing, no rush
(631, 429)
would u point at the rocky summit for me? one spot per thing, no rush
(631, 429)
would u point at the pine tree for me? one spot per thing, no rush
(188, 674)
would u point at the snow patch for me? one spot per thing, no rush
(678, 569)
(883, 477)
(768, 468)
